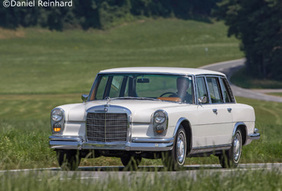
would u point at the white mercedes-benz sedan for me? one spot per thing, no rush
(154, 112)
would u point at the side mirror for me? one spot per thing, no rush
(202, 100)
(84, 97)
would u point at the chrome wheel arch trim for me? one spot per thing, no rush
(178, 125)
(235, 129)
(189, 138)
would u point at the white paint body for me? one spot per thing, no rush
(208, 128)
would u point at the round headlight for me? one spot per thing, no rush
(57, 115)
(160, 117)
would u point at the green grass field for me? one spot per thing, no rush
(42, 61)
(40, 69)
(276, 94)
(237, 180)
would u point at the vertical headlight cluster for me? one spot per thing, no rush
(160, 121)
(57, 120)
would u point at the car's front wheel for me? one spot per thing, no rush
(68, 159)
(175, 159)
(231, 157)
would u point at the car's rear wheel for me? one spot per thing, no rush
(68, 159)
(175, 159)
(231, 157)
(131, 162)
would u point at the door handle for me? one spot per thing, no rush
(229, 109)
(215, 111)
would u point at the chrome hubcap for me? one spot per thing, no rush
(180, 150)
(237, 147)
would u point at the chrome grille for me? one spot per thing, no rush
(106, 127)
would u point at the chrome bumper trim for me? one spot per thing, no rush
(151, 140)
(252, 136)
(137, 144)
(255, 135)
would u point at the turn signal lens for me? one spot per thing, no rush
(57, 127)
(160, 129)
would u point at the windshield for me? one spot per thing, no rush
(143, 86)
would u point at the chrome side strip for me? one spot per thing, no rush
(210, 148)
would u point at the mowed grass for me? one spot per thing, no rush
(43, 61)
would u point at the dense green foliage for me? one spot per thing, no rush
(258, 24)
(102, 13)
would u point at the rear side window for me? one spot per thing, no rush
(227, 93)
(214, 89)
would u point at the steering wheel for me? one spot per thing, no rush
(172, 94)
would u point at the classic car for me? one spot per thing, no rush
(154, 112)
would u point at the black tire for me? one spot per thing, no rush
(131, 162)
(175, 159)
(231, 157)
(68, 160)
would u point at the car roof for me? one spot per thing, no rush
(162, 70)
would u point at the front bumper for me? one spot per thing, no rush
(136, 144)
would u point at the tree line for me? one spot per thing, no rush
(102, 14)
(258, 24)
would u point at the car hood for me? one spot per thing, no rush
(140, 110)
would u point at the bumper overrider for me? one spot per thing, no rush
(136, 144)
(253, 136)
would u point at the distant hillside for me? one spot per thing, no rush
(43, 61)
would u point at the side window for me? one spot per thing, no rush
(227, 93)
(214, 89)
(202, 90)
